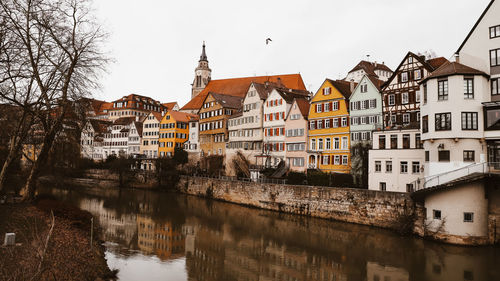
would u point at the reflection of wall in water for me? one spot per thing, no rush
(116, 228)
(377, 272)
(160, 238)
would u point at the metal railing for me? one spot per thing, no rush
(235, 179)
(477, 168)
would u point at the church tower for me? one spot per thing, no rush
(202, 74)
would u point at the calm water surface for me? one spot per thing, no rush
(166, 236)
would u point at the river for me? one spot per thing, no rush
(167, 236)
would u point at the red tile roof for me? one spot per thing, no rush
(239, 86)
(303, 106)
(182, 116)
(370, 67)
(437, 62)
(170, 105)
(344, 87)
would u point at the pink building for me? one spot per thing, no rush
(296, 135)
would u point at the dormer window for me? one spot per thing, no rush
(327, 91)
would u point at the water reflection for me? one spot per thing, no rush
(163, 236)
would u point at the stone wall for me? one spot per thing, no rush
(367, 207)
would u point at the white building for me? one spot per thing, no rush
(374, 69)
(92, 137)
(134, 138)
(452, 119)
(116, 139)
(192, 145)
(396, 160)
(150, 135)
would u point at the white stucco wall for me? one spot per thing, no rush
(453, 203)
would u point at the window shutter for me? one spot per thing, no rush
(331, 106)
(324, 91)
(322, 107)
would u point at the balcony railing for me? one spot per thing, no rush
(478, 168)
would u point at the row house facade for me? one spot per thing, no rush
(296, 123)
(151, 134)
(192, 146)
(329, 134)
(214, 115)
(116, 139)
(275, 110)
(173, 133)
(135, 138)
(245, 127)
(92, 137)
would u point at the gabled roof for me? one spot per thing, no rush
(264, 89)
(474, 27)
(303, 107)
(227, 101)
(289, 95)
(124, 120)
(157, 115)
(138, 126)
(182, 116)
(375, 81)
(170, 105)
(239, 87)
(453, 68)
(430, 65)
(100, 126)
(370, 67)
(344, 87)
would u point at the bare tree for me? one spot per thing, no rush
(58, 48)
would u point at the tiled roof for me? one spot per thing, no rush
(124, 120)
(370, 67)
(170, 105)
(289, 95)
(138, 126)
(134, 99)
(303, 106)
(182, 116)
(239, 86)
(454, 68)
(157, 115)
(264, 89)
(377, 82)
(437, 62)
(100, 126)
(227, 101)
(344, 87)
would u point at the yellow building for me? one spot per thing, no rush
(329, 138)
(174, 131)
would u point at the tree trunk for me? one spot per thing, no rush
(29, 189)
(5, 167)
(14, 146)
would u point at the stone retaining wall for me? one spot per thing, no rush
(368, 207)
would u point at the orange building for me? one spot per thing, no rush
(174, 131)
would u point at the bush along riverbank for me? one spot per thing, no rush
(53, 242)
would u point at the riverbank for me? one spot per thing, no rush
(68, 254)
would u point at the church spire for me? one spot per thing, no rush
(203, 56)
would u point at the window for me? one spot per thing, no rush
(336, 143)
(403, 167)
(344, 121)
(495, 31)
(425, 124)
(378, 166)
(381, 142)
(469, 120)
(417, 74)
(415, 167)
(468, 217)
(418, 142)
(394, 141)
(443, 121)
(436, 214)
(313, 144)
(406, 141)
(444, 156)
(406, 118)
(468, 88)
(405, 98)
(469, 156)
(345, 143)
(382, 186)
(335, 105)
(328, 144)
(373, 103)
(388, 166)
(409, 187)
(443, 90)
(364, 88)
(326, 160)
(425, 92)
(495, 86)
(318, 107)
(320, 144)
(427, 156)
(392, 100)
(345, 161)
(404, 77)
(336, 160)
(312, 125)
(495, 57)
(327, 91)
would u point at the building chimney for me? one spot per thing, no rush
(352, 84)
(279, 82)
(137, 119)
(457, 58)
(375, 63)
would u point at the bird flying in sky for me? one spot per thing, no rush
(268, 40)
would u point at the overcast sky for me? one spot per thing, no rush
(156, 44)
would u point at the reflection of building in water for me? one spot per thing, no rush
(221, 255)
(118, 228)
(455, 266)
(160, 238)
(377, 272)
